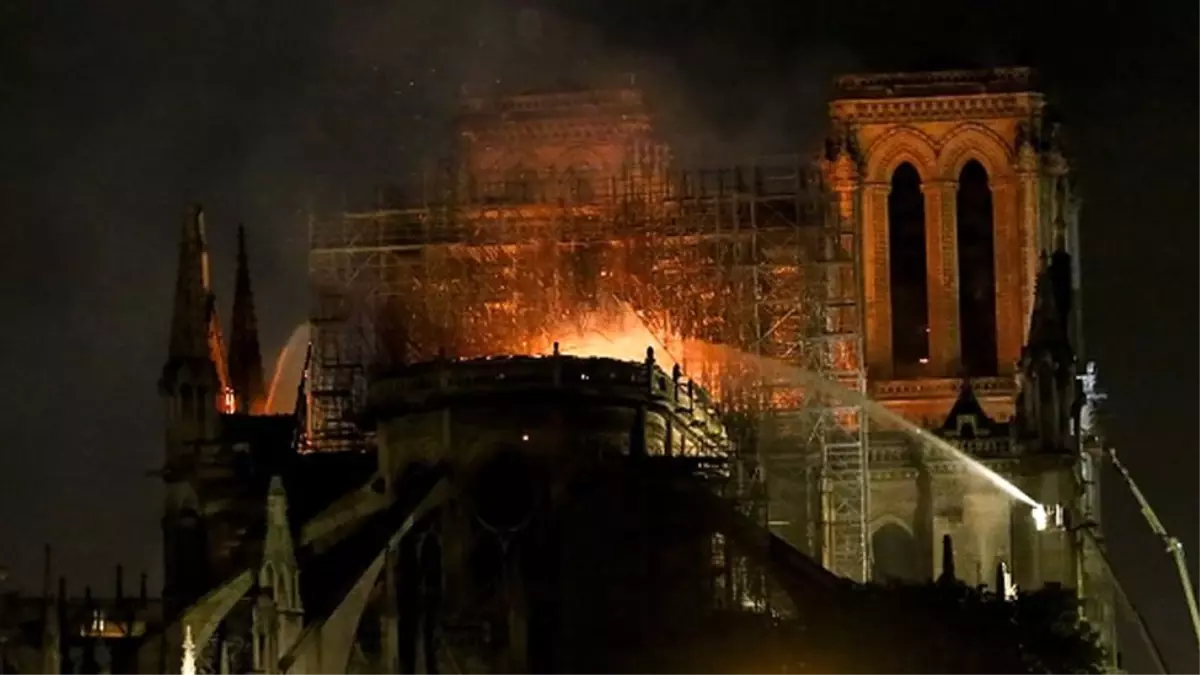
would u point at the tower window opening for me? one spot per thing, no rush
(908, 273)
(976, 272)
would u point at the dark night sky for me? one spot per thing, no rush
(120, 113)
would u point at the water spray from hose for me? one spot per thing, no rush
(627, 335)
(1040, 513)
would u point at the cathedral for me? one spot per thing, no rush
(480, 523)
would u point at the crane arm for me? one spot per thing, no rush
(1173, 545)
(1186, 580)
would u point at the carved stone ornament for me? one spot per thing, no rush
(1026, 157)
(844, 169)
(1055, 163)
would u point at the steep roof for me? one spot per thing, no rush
(968, 420)
(312, 481)
(245, 356)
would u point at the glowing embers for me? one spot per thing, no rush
(685, 296)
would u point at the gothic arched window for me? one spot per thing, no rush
(908, 280)
(976, 272)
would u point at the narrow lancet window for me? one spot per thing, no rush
(908, 277)
(976, 273)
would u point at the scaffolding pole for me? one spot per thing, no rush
(839, 429)
(746, 257)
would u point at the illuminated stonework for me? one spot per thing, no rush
(937, 123)
(510, 147)
(461, 325)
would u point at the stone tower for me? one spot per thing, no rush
(957, 207)
(573, 146)
(191, 387)
(970, 279)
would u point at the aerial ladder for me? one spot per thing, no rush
(1173, 545)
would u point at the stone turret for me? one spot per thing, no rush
(279, 609)
(191, 381)
(190, 386)
(1047, 404)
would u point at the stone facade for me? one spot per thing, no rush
(575, 144)
(1016, 422)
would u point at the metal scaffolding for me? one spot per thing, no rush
(839, 428)
(759, 259)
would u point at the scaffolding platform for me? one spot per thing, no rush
(762, 259)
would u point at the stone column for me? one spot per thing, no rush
(1054, 169)
(941, 261)
(877, 294)
(1008, 242)
(1027, 228)
(845, 182)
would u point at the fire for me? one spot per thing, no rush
(617, 334)
(608, 298)
(615, 309)
(617, 331)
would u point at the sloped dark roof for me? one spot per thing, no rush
(332, 573)
(1049, 323)
(270, 436)
(315, 480)
(967, 405)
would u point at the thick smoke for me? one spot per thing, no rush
(261, 111)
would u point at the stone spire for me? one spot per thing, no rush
(193, 375)
(1048, 396)
(278, 549)
(245, 357)
(1052, 303)
(278, 613)
(189, 318)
